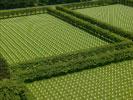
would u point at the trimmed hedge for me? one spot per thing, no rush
(126, 2)
(35, 10)
(87, 26)
(4, 71)
(22, 12)
(13, 90)
(101, 24)
(75, 54)
(44, 68)
(89, 4)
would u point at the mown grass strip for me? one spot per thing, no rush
(21, 41)
(119, 31)
(44, 68)
(88, 83)
(87, 26)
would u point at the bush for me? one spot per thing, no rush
(127, 2)
(89, 3)
(4, 71)
(101, 24)
(13, 90)
(22, 12)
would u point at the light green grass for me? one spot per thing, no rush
(111, 82)
(43, 35)
(117, 15)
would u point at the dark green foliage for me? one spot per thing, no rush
(10, 4)
(127, 2)
(101, 24)
(42, 9)
(4, 71)
(13, 90)
(54, 66)
(22, 12)
(87, 26)
(89, 4)
(61, 1)
(100, 0)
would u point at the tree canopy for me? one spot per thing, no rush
(11, 4)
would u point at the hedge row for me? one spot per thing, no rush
(101, 24)
(87, 26)
(28, 11)
(22, 12)
(48, 67)
(127, 2)
(89, 4)
(42, 9)
(13, 90)
(4, 71)
(75, 54)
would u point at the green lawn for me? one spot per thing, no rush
(25, 38)
(110, 82)
(117, 15)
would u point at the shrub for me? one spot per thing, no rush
(4, 70)
(126, 2)
(13, 90)
(89, 3)
(22, 12)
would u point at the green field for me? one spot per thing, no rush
(110, 82)
(25, 38)
(117, 15)
(47, 52)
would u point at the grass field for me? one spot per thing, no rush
(117, 15)
(96, 72)
(110, 82)
(25, 38)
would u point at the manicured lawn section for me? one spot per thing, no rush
(26, 38)
(112, 81)
(117, 15)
